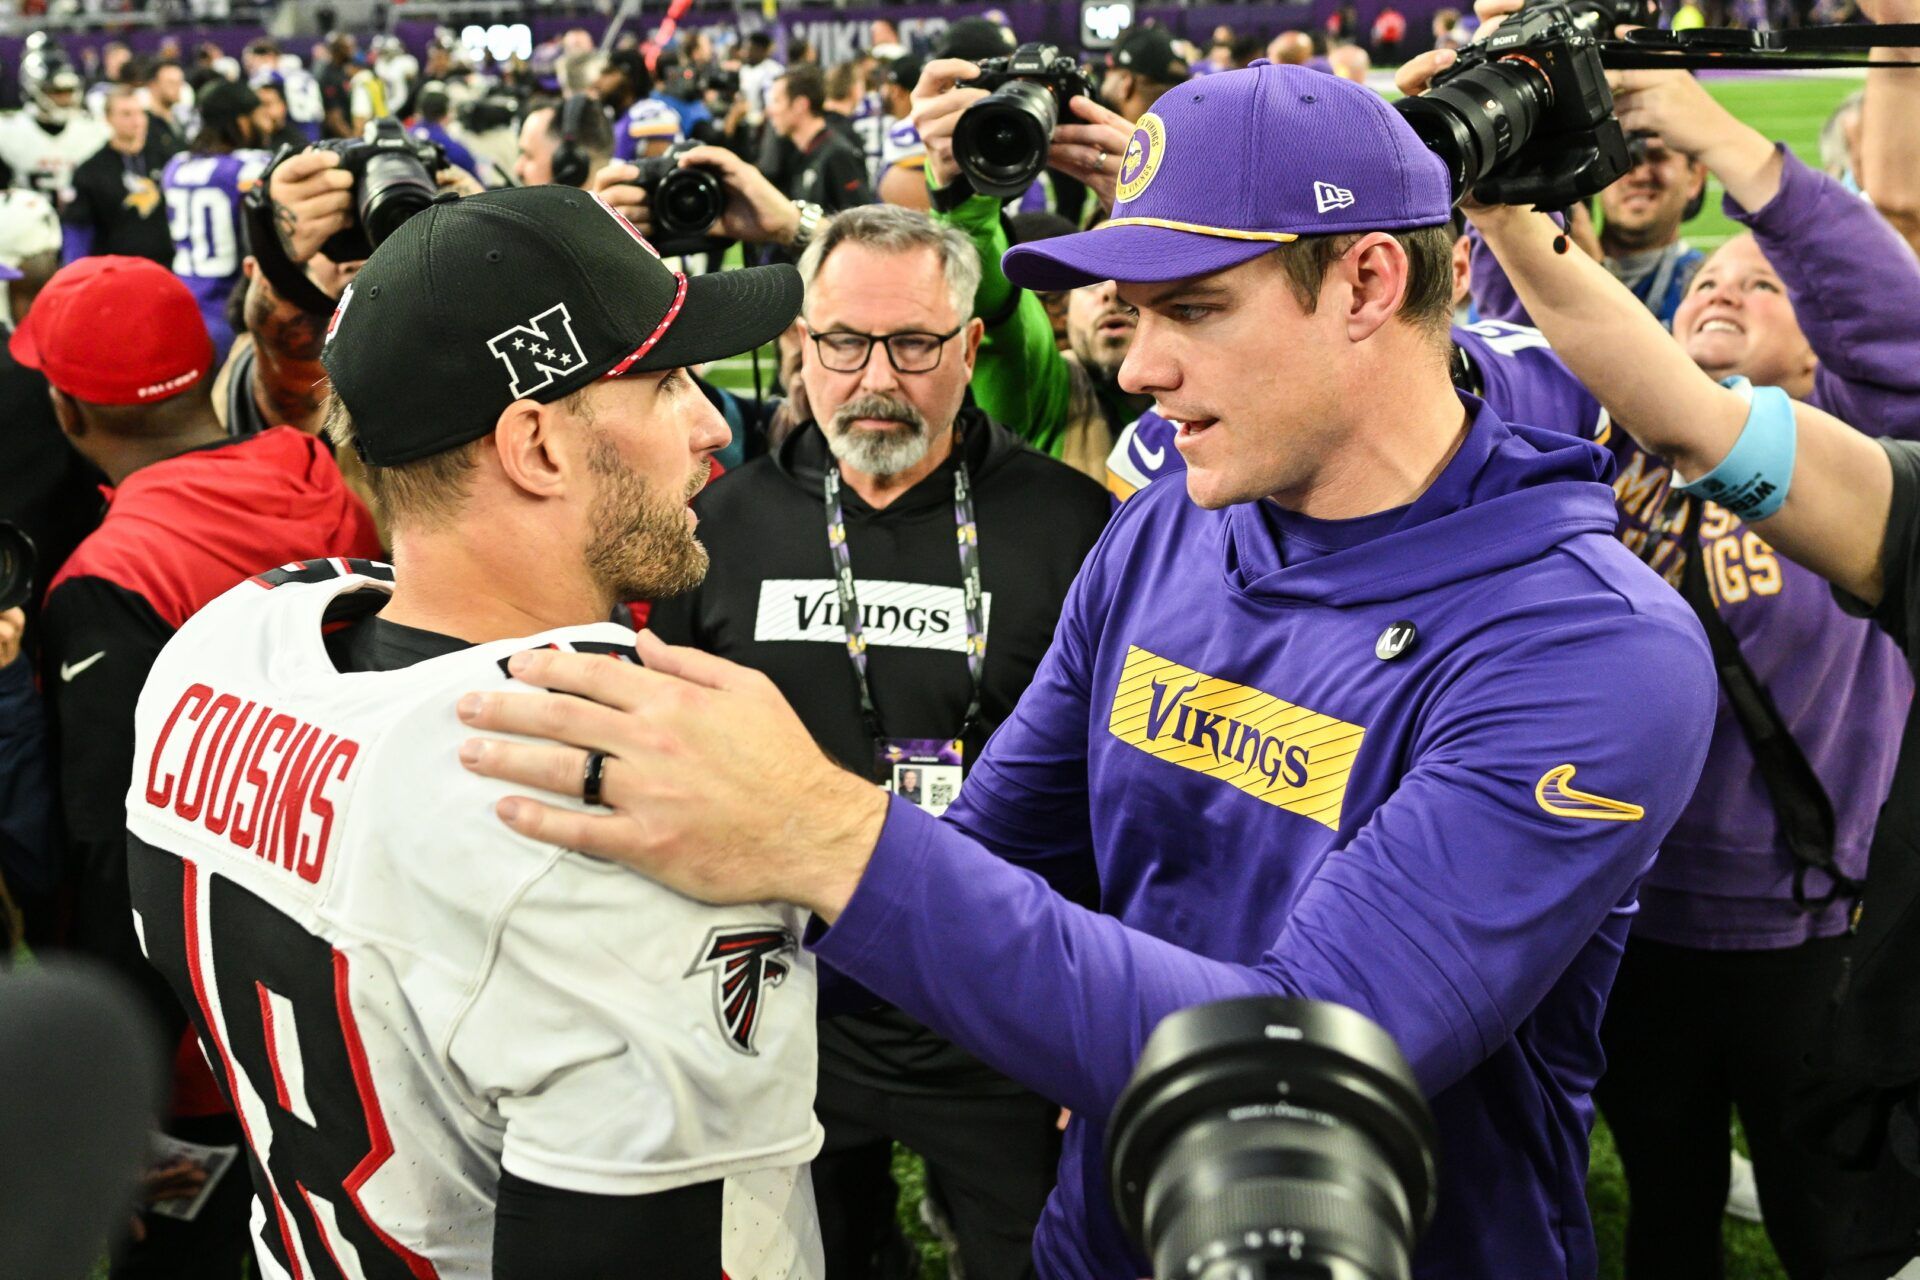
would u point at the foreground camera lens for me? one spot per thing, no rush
(1001, 141)
(396, 187)
(687, 202)
(1273, 1138)
(1479, 119)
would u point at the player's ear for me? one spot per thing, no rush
(1375, 272)
(67, 413)
(529, 449)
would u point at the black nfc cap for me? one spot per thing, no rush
(529, 293)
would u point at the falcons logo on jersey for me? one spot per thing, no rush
(745, 963)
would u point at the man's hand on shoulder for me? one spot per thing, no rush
(713, 785)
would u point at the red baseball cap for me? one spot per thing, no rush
(115, 330)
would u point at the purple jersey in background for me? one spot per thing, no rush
(457, 153)
(203, 212)
(1725, 877)
(1509, 366)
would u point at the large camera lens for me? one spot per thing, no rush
(686, 203)
(1001, 141)
(16, 566)
(396, 186)
(1479, 119)
(1273, 1138)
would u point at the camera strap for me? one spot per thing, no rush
(1800, 802)
(289, 280)
(1649, 48)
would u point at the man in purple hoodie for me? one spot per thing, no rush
(1823, 301)
(1341, 720)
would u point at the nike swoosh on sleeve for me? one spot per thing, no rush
(1558, 798)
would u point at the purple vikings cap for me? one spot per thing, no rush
(1227, 166)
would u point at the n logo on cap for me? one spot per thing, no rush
(1327, 197)
(539, 351)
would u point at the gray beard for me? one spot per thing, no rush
(872, 452)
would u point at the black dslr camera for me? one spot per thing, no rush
(1000, 142)
(393, 179)
(1283, 1139)
(16, 566)
(683, 203)
(1525, 116)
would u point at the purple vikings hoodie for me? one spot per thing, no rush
(1447, 838)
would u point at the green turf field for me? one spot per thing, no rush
(1788, 108)
(1792, 110)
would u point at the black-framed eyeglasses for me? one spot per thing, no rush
(844, 351)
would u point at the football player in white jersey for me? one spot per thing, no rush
(455, 1052)
(44, 142)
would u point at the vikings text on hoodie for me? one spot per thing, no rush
(1446, 834)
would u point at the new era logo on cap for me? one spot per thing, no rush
(537, 352)
(1327, 197)
(1314, 155)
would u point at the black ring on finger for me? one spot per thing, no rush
(595, 772)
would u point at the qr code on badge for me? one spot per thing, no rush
(940, 793)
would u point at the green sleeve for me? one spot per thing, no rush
(1020, 378)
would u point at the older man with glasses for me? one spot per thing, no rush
(836, 570)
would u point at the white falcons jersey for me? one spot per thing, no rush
(402, 997)
(45, 161)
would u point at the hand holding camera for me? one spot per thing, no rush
(312, 199)
(1092, 151)
(680, 199)
(998, 127)
(939, 99)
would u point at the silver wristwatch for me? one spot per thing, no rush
(811, 216)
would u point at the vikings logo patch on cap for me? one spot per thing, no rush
(1144, 153)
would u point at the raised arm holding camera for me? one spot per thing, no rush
(1748, 910)
(1848, 508)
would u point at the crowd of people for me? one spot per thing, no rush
(1201, 574)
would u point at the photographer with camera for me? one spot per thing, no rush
(1339, 720)
(1640, 214)
(1748, 909)
(1066, 404)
